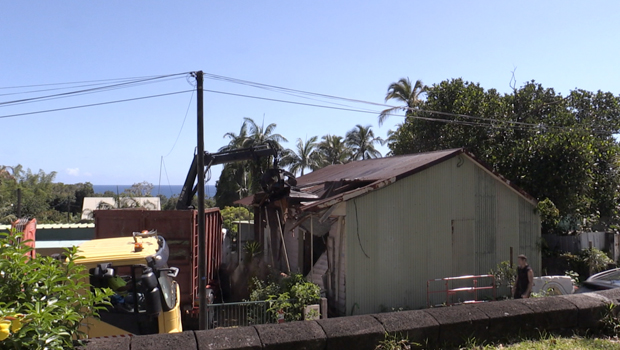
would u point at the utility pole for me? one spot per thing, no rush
(19, 203)
(202, 261)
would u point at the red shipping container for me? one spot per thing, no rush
(180, 229)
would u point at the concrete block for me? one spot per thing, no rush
(612, 294)
(591, 307)
(183, 340)
(417, 325)
(242, 338)
(120, 343)
(459, 323)
(551, 313)
(355, 332)
(507, 319)
(300, 335)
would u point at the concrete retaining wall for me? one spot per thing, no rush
(434, 327)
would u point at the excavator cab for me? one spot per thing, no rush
(146, 299)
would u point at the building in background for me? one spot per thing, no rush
(373, 232)
(91, 204)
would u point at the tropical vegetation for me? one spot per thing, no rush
(560, 149)
(43, 301)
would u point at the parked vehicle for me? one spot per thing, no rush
(181, 231)
(553, 285)
(601, 281)
(136, 268)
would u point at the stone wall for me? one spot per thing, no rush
(434, 327)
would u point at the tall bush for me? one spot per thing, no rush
(44, 299)
(289, 295)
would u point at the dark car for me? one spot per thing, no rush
(601, 281)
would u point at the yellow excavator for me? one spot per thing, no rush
(146, 299)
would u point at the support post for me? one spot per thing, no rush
(202, 261)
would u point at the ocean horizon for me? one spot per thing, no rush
(167, 190)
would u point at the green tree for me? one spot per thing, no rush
(361, 141)
(404, 92)
(36, 192)
(140, 189)
(240, 179)
(67, 200)
(259, 135)
(333, 150)
(554, 147)
(232, 214)
(234, 184)
(306, 156)
(45, 299)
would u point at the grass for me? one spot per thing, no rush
(546, 342)
(555, 343)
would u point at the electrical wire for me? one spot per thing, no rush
(182, 124)
(501, 124)
(475, 121)
(298, 93)
(94, 104)
(81, 82)
(72, 86)
(88, 91)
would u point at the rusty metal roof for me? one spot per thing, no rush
(340, 182)
(372, 170)
(378, 173)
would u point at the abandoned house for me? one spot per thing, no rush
(372, 233)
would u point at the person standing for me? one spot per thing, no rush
(525, 279)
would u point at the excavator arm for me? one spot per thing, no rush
(251, 153)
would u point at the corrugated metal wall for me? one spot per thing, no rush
(419, 228)
(486, 221)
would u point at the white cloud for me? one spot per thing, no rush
(73, 171)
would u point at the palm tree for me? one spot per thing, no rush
(307, 156)
(361, 140)
(334, 150)
(242, 178)
(236, 140)
(260, 134)
(403, 92)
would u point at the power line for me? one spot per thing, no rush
(85, 91)
(501, 123)
(479, 121)
(182, 124)
(81, 82)
(94, 104)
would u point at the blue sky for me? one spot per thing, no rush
(346, 48)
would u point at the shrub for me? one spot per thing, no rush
(44, 299)
(595, 259)
(291, 294)
(505, 277)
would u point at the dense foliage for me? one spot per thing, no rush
(560, 149)
(241, 179)
(232, 214)
(44, 299)
(49, 202)
(288, 294)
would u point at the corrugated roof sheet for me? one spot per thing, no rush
(339, 182)
(372, 170)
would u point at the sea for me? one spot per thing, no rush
(166, 190)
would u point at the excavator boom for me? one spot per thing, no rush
(250, 153)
